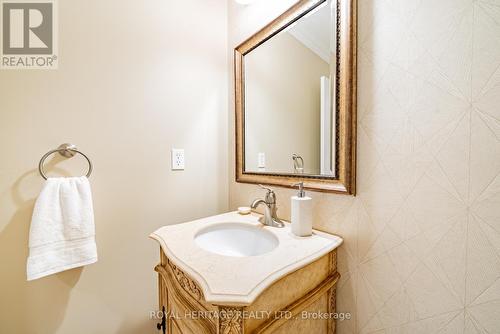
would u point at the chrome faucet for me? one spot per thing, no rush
(270, 218)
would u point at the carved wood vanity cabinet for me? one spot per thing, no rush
(301, 302)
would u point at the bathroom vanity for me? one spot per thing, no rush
(231, 274)
(295, 113)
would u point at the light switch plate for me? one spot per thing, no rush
(261, 160)
(177, 159)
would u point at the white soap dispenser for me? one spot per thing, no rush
(301, 213)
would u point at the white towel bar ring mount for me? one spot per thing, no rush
(68, 151)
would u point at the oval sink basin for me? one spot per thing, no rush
(236, 239)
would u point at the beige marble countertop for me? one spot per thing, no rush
(239, 280)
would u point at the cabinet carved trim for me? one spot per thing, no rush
(332, 301)
(185, 282)
(163, 273)
(230, 320)
(333, 262)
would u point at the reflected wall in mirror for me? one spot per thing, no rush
(295, 89)
(289, 119)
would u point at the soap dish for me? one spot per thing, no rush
(244, 210)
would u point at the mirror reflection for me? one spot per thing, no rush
(289, 101)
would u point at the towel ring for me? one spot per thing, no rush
(298, 163)
(68, 151)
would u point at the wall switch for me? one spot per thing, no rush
(177, 159)
(261, 160)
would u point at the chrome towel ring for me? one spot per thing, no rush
(298, 163)
(68, 151)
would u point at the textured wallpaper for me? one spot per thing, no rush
(422, 238)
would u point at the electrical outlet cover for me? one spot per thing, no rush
(177, 159)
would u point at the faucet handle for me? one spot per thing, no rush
(270, 196)
(266, 188)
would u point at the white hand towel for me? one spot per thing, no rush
(62, 232)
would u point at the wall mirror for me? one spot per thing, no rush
(295, 86)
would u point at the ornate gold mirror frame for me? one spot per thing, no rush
(345, 95)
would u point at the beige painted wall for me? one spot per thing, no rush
(421, 248)
(282, 79)
(134, 80)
